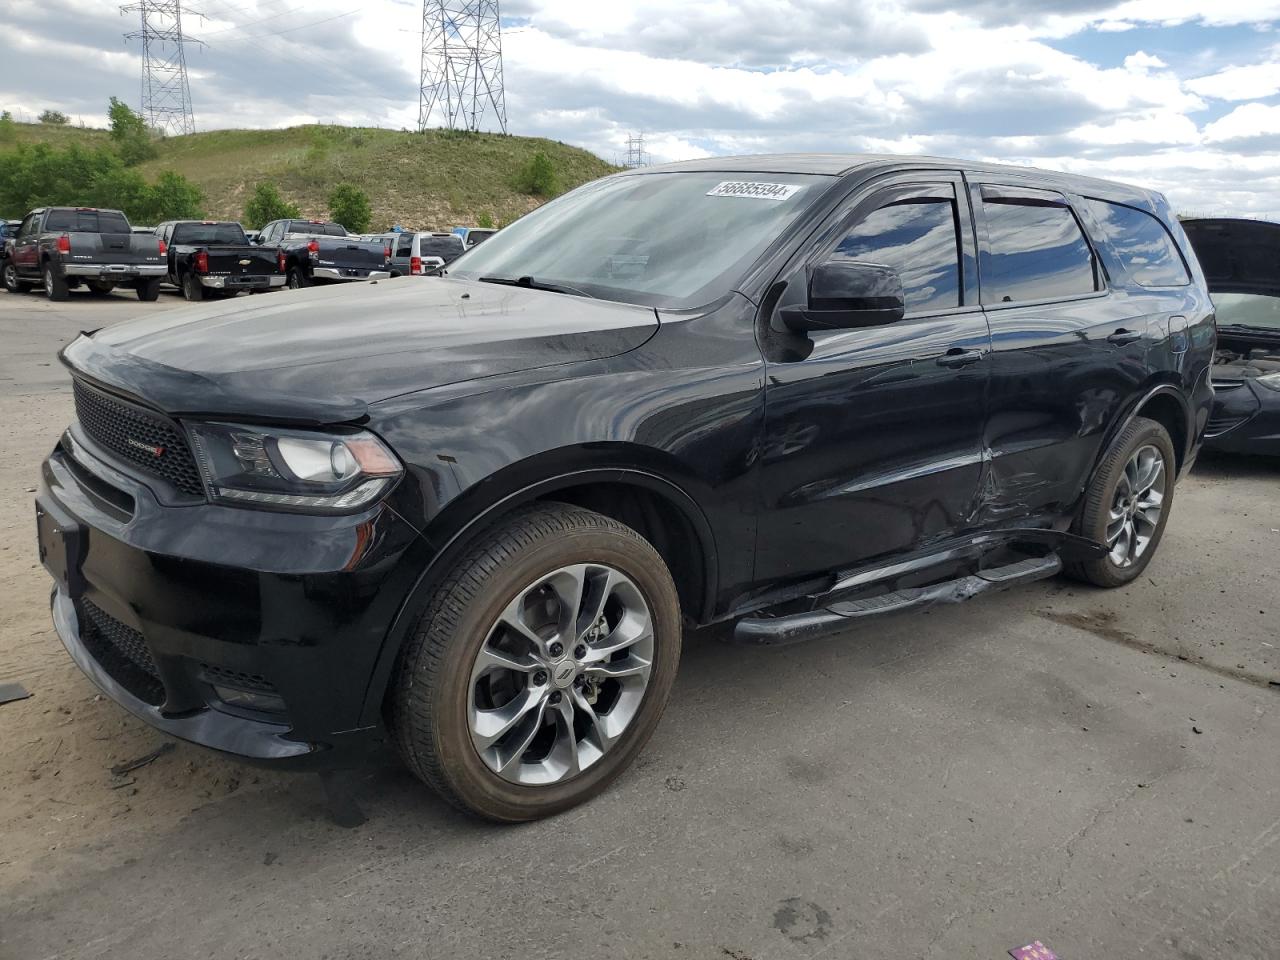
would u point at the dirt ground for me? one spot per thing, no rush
(947, 784)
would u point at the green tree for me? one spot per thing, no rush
(266, 205)
(538, 177)
(53, 117)
(8, 129)
(349, 206)
(130, 134)
(485, 221)
(174, 197)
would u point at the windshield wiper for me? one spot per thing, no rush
(532, 284)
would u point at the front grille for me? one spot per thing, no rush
(136, 434)
(223, 677)
(122, 652)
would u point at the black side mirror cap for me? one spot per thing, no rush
(846, 294)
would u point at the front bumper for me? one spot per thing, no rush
(347, 273)
(243, 283)
(176, 612)
(1245, 419)
(115, 271)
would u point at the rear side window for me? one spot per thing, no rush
(404, 245)
(1142, 244)
(1036, 250)
(918, 238)
(447, 249)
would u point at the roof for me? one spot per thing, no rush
(841, 164)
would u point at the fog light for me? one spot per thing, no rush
(250, 700)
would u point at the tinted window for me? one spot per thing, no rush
(404, 245)
(317, 229)
(87, 221)
(1142, 244)
(918, 239)
(447, 249)
(1037, 252)
(208, 233)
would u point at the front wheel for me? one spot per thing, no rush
(10, 274)
(100, 288)
(1127, 504)
(541, 665)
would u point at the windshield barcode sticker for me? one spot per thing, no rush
(755, 191)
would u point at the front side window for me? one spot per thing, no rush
(674, 240)
(1142, 244)
(1036, 250)
(918, 239)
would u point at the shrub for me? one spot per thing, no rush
(53, 117)
(129, 133)
(266, 205)
(538, 177)
(349, 206)
(485, 221)
(8, 129)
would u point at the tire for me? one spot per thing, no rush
(148, 290)
(192, 289)
(1112, 494)
(55, 286)
(100, 288)
(297, 279)
(430, 707)
(9, 273)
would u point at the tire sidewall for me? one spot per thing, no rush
(10, 273)
(191, 290)
(1093, 523)
(470, 778)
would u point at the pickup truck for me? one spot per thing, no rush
(208, 258)
(316, 251)
(63, 247)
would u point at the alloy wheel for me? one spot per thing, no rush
(561, 674)
(48, 282)
(1136, 506)
(10, 278)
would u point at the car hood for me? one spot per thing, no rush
(323, 355)
(1238, 256)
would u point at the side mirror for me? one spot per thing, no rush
(846, 294)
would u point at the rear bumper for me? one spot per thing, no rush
(243, 283)
(177, 613)
(338, 273)
(114, 271)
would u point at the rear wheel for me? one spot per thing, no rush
(55, 285)
(192, 288)
(100, 288)
(1127, 504)
(298, 279)
(540, 667)
(148, 290)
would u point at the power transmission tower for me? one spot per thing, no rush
(166, 95)
(461, 64)
(637, 156)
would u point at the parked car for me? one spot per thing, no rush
(474, 235)
(317, 251)
(1241, 261)
(62, 247)
(469, 517)
(253, 236)
(143, 230)
(214, 258)
(8, 230)
(419, 254)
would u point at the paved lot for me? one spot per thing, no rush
(1094, 769)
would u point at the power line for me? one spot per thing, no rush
(166, 94)
(637, 156)
(461, 75)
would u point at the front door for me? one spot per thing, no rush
(26, 254)
(873, 436)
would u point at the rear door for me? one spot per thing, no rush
(1069, 350)
(873, 436)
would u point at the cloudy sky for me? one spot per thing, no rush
(1182, 95)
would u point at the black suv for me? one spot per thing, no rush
(468, 515)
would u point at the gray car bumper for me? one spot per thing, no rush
(114, 271)
(242, 283)
(333, 273)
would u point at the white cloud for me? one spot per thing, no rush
(1251, 82)
(1247, 122)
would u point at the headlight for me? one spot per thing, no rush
(1269, 380)
(293, 469)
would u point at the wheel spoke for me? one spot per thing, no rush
(513, 618)
(490, 726)
(510, 756)
(600, 589)
(565, 752)
(569, 584)
(602, 736)
(631, 666)
(490, 659)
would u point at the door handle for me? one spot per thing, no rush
(1123, 336)
(957, 357)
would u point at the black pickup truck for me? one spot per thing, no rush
(62, 247)
(210, 258)
(316, 251)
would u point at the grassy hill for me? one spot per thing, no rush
(430, 180)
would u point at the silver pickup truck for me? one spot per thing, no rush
(61, 248)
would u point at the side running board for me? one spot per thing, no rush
(797, 627)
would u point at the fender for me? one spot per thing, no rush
(420, 593)
(1134, 410)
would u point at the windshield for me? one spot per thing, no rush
(209, 233)
(1247, 310)
(665, 239)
